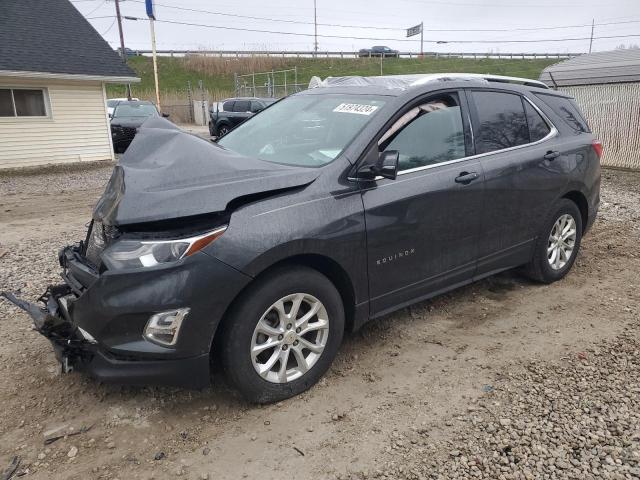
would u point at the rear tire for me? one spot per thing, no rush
(557, 244)
(264, 315)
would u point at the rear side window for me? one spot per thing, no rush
(538, 128)
(566, 109)
(502, 122)
(228, 106)
(241, 106)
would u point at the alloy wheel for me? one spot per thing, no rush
(289, 338)
(562, 241)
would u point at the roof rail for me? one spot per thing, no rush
(408, 81)
(479, 76)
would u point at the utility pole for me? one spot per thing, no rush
(421, 39)
(123, 54)
(593, 24)
(155, 62)
(315, 29)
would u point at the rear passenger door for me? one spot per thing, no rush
(511, 138)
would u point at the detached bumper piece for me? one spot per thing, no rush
(76, 349)
(72, 346)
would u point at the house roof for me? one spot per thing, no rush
(50, 38)
(617, 66)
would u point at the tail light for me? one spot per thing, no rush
(597, 146)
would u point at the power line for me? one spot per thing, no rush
(255, 30)
(97, 8)
(109, 29)
(342, 25)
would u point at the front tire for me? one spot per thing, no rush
(557, 244)
(223, 130)
(282, 334)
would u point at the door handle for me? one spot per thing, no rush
(466, 178)
(551, 155)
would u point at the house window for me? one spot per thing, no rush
(22, 102)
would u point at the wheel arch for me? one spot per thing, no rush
(579, 198)
(321, 263)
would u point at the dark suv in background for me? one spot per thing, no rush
(226, 115)
(126, 118)
(332, 207)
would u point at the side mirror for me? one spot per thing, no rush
(165, 115)
(386, 166)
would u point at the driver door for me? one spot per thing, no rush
(423, 227)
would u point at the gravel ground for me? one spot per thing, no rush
(578, 418)
(501, 379)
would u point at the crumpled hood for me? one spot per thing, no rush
(167, 173)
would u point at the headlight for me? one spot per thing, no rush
(148, 253)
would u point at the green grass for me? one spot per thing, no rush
(217, 73)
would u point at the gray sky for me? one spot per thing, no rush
(388, 17)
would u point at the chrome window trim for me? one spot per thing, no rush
(552, 133)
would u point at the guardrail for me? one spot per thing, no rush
(335, 54)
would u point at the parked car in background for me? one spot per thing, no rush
(226, 115)
(378, 51)
(128, 52)
(125, 120)
(112, 102)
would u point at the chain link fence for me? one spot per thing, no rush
(275, 84)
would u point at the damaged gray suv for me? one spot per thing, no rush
(328, 209)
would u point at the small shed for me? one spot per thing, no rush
(53, 70)
(606, 85)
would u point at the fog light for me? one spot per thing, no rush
(163, 327)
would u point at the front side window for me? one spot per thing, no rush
(304, 130)
(22, 102)
(502, 122)
(433, 134)
(135, 110)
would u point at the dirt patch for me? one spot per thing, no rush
(406, 378)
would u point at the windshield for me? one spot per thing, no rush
(305, 130)
(135, 110)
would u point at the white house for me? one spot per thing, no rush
(606, 85)
(53, 70)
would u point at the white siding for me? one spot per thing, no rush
(613, 113)
(76, 131)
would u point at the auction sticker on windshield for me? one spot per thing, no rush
(356, 108)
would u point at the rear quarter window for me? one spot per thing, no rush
(568, 110)
(228, 106)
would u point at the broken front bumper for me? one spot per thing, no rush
(71, 344)
(95, 321)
